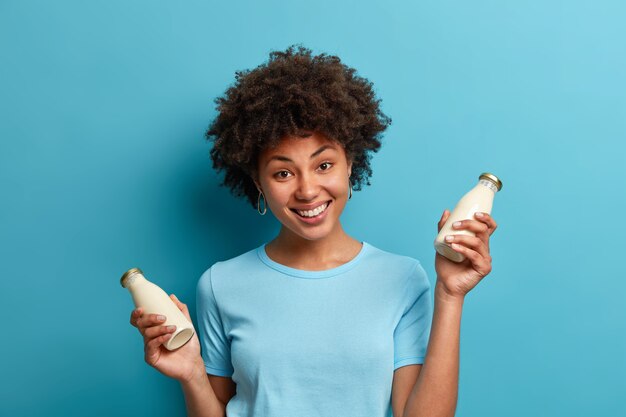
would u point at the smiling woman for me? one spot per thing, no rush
(314, 322)
(305, 182)
(293, 95)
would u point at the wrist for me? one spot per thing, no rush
(443, 295)
(196, 375)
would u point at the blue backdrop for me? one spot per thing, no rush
(104, 166)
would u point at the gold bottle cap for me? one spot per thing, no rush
(128, 273)
(491, 177)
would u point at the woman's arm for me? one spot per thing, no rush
(200, 398)
(183, 364)
(435, 391)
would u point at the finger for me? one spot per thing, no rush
(149, 320)
(479, 228)
(443, 219)
(134, 316)
(479, 263)
(181, 306)
(154, 331)
(469, 224)
(153, 349)
(475, 243)
(488, 220)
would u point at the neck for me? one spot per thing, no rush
(293, 250)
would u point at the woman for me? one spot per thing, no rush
(315, 322)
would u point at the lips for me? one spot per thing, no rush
(312, 212)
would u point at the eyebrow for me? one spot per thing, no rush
(313, 155)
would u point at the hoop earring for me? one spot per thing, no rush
(258, 204)
(350, 182)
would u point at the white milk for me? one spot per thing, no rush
(479, 198)
(154, 300)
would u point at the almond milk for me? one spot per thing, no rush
(154, 300)
(479, 198)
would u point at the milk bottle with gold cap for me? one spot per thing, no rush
(479, 198)
(154, 300)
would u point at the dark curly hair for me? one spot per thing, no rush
(294, 94)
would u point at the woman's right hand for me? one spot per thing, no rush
(181, 364)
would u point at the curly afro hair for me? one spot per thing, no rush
(294, 94)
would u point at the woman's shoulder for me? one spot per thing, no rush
(387, 257)
(402, 272)
(400, 268)
(235, 265)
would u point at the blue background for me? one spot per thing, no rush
(104, 166)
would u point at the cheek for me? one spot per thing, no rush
(277, 196)
(336, 185)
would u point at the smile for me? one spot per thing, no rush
(314, 212)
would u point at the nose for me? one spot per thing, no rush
(308, 187)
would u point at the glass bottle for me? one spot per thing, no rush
(479, 198)
(154, 300)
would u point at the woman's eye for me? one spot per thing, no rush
(326, 164)
(280, 174)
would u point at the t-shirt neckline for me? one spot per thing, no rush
(302, 273)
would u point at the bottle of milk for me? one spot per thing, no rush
(154, 300)
(479, 198)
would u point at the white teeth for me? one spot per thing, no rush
(314, 212)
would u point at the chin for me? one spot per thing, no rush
(311, 234)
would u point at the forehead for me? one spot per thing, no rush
(295, 145)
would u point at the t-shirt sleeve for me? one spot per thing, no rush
(215, 345)
(411, 335)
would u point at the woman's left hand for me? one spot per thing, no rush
(457, 279)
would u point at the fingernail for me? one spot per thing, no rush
(171, 328)
(160, 318)
(456, 224)
(479, 214)
(449, 238)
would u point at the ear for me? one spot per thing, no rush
(350, 169)
(256, 183)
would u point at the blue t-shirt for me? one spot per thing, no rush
(313, 343)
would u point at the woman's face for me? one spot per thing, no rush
(305, 184)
